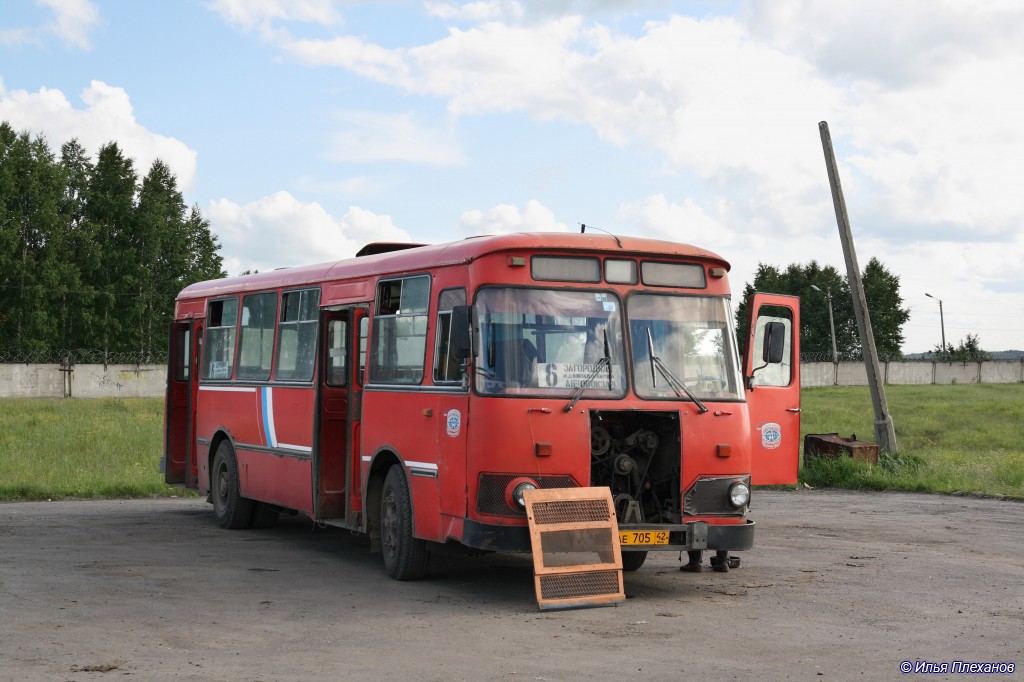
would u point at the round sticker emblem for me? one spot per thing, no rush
(453, 423)
(771, 436)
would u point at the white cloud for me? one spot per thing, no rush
(672, 88)
(488, 10)
(265, 15)
(16, 37)
(107, 117)
(686, 222)
(280, 231)
(72, 22)
(892, 44)
(737, 100)
(506, 218)
(373, 136)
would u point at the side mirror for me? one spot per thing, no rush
(461, 332)
(774, 348)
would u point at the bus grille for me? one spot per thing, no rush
(570, 511)
(490, 498)
(576, 585)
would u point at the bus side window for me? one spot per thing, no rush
(364, 327)
(184, 353)
(446, 365)
(400, 331)
(296, 335)
(336, 352)
(256, 345)
(774, 374)
(219, 349)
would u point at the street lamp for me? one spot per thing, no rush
(831, 323)
(942, 321)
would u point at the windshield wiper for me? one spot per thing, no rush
(673, 381)
(606, 361)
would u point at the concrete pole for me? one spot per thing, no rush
(885, 433)
(831, 322)
(942, 321)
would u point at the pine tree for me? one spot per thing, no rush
(90, 259)
(110, 205)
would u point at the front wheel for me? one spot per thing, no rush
(231, 509)
(632, 561)
(405, 557)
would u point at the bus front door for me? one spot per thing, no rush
(178, 463)
(336, 456)
(772, 369)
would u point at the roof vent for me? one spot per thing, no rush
(384, 247)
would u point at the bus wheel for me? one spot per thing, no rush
(631, 561)
(405, 557)
(231, 509)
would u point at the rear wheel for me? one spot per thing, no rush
(631, 561)
(231, 509)
(405, 557)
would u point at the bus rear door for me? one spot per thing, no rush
(178, 463)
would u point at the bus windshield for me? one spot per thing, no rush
(687, 340)
(550, 342)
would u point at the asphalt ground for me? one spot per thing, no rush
(840, 586)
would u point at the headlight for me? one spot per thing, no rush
(515, 490)
(739, 495)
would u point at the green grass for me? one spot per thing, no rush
(951, 439)
(51, 449)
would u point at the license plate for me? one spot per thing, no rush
(643, 537)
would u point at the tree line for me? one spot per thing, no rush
(91, 257)
(814, 285)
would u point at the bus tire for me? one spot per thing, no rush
(231, 509)
(631, 561)
(405, 557)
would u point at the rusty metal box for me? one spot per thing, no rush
(834, 445)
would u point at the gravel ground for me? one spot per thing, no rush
(840, 585)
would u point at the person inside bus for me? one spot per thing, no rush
(516, 363)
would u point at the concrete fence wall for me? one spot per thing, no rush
(855, 373)
(84, 381)
(144, 381)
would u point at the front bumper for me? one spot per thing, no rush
(682, 537)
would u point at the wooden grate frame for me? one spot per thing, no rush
(577, 558)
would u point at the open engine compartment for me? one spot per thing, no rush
(638, 456)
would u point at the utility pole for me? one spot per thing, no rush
(885, 433)
(831, 322)
(942, 321)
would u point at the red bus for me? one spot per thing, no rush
(414, 392)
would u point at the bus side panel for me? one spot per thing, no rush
(278, 479)
(452, 421)
(292, 416)
(405, 423)
(284, 476)
(258, 419)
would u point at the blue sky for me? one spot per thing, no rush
(306, 128)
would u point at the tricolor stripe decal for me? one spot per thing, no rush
(267, 415)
